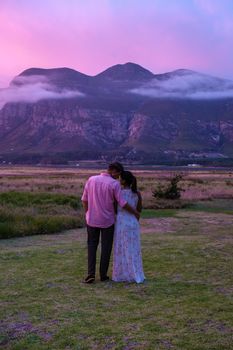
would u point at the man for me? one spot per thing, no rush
(100, 194)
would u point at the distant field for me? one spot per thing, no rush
(36, 200)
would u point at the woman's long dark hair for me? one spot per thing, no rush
(130, 180)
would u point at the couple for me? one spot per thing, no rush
(102, 198)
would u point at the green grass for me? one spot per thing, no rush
(25, 213)
(158, 213)
(216, 206)
(41, 224)
(185, 304)
(27, 199)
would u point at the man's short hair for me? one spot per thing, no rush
(116, 166)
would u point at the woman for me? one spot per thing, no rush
(127, 258)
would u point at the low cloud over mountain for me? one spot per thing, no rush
(186, 84)
(33, 89)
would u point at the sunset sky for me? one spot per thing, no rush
(92, 35)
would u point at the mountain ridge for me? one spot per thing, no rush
(125, 111)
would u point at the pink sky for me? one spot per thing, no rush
(91, 35)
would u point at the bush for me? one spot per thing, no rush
(172, 191)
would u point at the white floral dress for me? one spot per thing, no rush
(127, 257)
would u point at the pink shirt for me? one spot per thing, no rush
(100, 192)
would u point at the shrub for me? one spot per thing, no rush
(172, 191)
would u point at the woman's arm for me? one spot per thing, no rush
(139, 205)
(123, 203)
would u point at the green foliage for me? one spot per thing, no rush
(25, 213)
(25, 225)
(6, 229)
(159, 213)
(22, 199)
(215, 206)
(172, 191)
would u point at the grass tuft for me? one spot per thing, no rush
(27, 199)
(24, 213)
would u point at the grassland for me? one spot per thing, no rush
(185, 303)
(47, 200)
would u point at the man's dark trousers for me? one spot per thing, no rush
(93, 236)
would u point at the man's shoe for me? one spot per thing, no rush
(105, 278)
(89, 279)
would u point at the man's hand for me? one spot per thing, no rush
(137, 215)
(132, 210)
(85, 205)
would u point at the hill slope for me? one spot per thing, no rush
(124, 111)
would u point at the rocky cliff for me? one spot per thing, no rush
(125, 111)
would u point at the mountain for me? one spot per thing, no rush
(126, 111)
(64, 78)
(128, 71)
